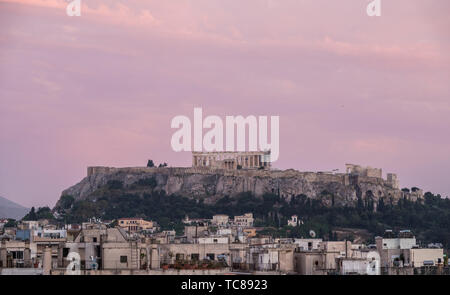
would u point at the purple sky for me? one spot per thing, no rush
(101, 89)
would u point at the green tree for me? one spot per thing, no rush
(11, 223)
(41, 213)
(150, 181)
(66, 201)
(31, 215)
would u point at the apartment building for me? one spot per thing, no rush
(132, 225)
(245, 220)
(220, 220)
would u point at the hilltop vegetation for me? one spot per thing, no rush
(429, 219)
(40, 213)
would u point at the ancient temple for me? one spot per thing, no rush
(232, 160)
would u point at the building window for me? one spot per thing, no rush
(210, 256)
(195, 256)
(17, 254)
(179, 257)
(123, 259)
(94, 240)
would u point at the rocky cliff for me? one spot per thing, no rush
(212, 184)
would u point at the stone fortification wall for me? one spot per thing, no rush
(212, 183)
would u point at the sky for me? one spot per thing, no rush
(103, 87)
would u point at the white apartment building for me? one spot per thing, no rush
(220, 220)
(213, 240)
(308, 244)
(245, 220)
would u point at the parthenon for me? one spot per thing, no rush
(232, 160)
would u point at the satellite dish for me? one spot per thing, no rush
(312, 233)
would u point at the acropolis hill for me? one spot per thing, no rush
(210, 181)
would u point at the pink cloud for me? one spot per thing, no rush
(106, 11)
(101, 89)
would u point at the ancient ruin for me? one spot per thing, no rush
(218, 174)
(363, 171)
(368, 171)
(232, 160)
